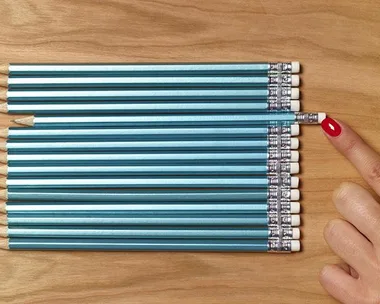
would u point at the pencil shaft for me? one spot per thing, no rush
(140, 196)
(138, 245)
(161, 120)
(202, 233)
(142, 107)
(258, 182)
(138, 133)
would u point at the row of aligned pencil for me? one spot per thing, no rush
(177, 157)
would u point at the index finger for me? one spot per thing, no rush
(351, 145)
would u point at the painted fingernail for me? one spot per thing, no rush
(331, 127)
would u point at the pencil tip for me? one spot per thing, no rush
(3, 146)
(3, 107)
(4, 231)
(3, 219)
(3, 158)
(3, 182)
(25, 121)
(4, 194)
(3, 207)
(4, 68)
(4, 243)
(4, 170)
(4, 133)
(3, 93)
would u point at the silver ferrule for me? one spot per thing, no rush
(278, 245)
(279, 207)
(280, 180)
(306, 118)
(282, 141)
(275, 153)
(278, 166)
(280, 67)
(284, 233)
(276, 219)
(280, 92)
(277, 130)
(279, 105)
(279, 99)
(279, 193)
(280, 80)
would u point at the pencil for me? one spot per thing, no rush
(164, 133)
(150, 245)
(166, 69)
(172, 107)
(149, 196)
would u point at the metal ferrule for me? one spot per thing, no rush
(279, 193)
(280, 67)
(274, 153)
(280, 180)
(280, 92)
(277, 166)
(284, 233)
(279, 104)
(275, 219)
(280, 80)
(283, 141)
(279, 207)
(275, 130)
(306, 118)
(279, 246)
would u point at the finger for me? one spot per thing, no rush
(348, 269)
(350, 144)
(350, 245)
(359, 207)
(339, 284)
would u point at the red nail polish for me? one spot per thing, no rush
(331, 127)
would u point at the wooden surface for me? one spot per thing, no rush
(338, 45)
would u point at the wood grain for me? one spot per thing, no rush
(338, 45)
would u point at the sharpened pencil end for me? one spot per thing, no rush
(3, 207)
(3, 93)
(3, 107)
(3, 182)
(4, 243)
(4, 231)
(4, 133)
(4, 68)
(3, 158)
(3, 219)
(3, 146)
(4, 170)
(25, 121)
(4, 195)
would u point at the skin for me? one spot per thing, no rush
(356, 237)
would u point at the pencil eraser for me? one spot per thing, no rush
(295, 130)
(295, 195)
(294, 168)
(294, 182)
(295, 80)
(294, 143)
(295, 207)
(321, 117)
(295, 105)
(296, 66)
(295, 220)
(295, 93)
(296, 233)
(295, 245)
(294, 156)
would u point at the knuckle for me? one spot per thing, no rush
(343, 192)
(374, 172)
(350, 146)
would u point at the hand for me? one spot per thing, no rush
(356, 239)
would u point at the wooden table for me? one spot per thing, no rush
(338, 45)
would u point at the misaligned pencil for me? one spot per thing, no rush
(158, 182)
(150, 245)
(160, 69)
(257, 220)
(46, 83)
(187, 133)
(125, 232)
(156, 120)
(151, 146)
(64, 171)
(66, 207)
(173, 107)
(149, 196)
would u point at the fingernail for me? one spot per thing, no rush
(331, 127)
